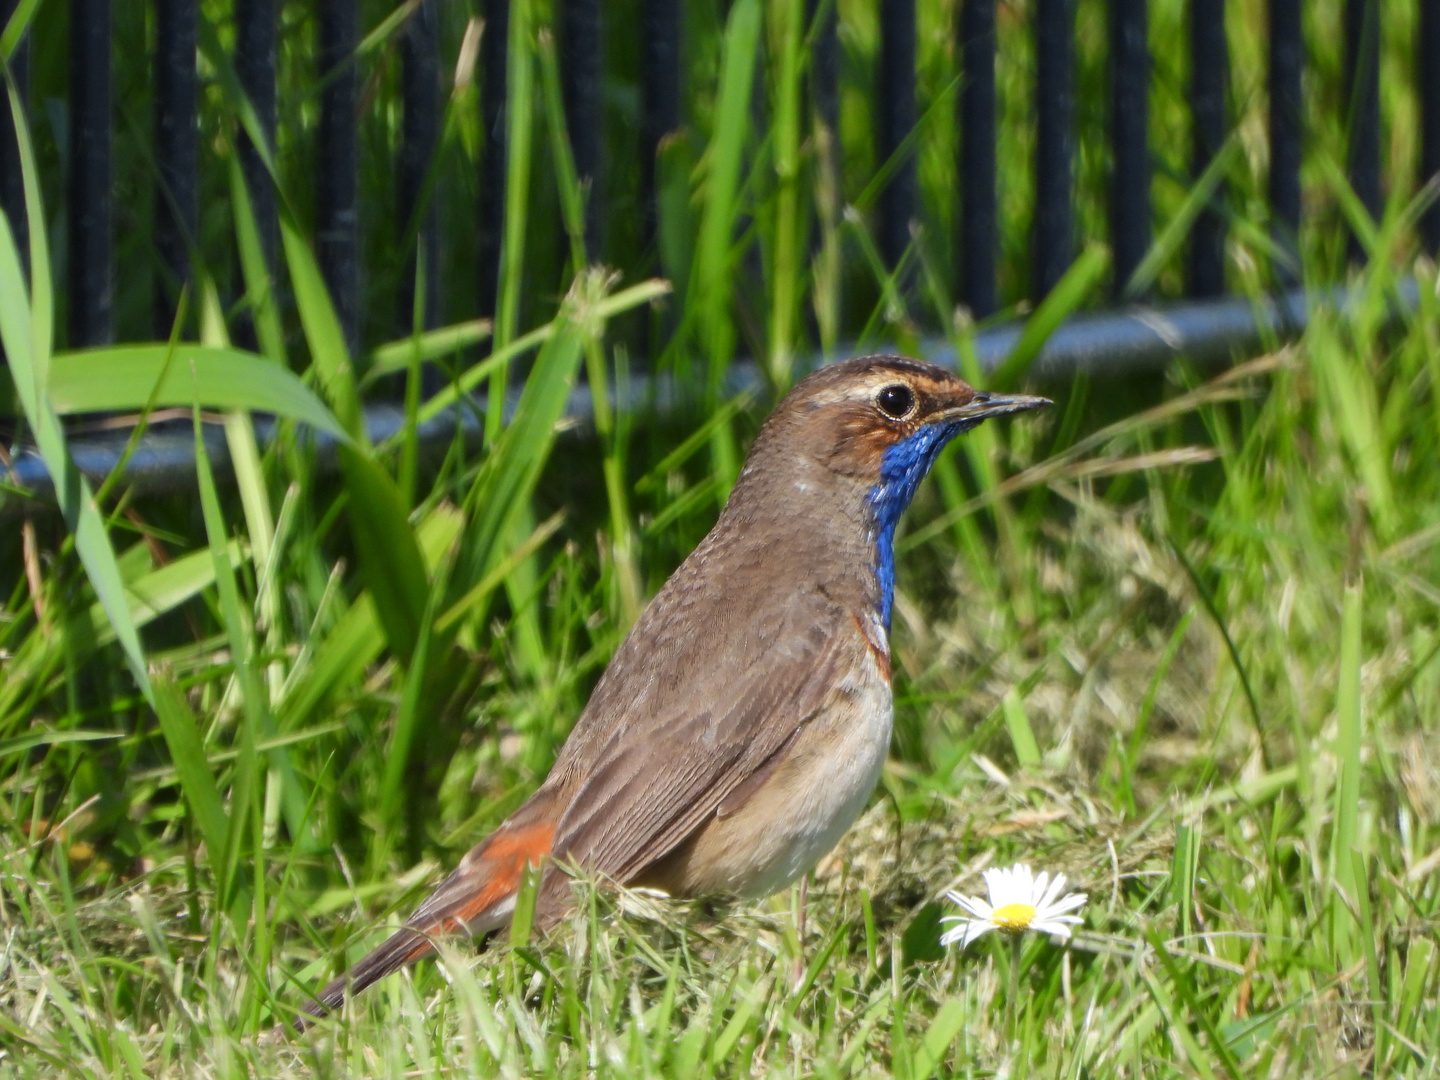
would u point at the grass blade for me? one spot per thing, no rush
(1348, 737)
(239, 632)
(1072, 291)
(259, 288)
(572, 195)
(216, 377)
(714, 257)
(389, 556)
(21, 743)
(431, 345)
(513, 467)
(1177, 230)
(1182, 984)
(187, 753)
(1027, 751)
(478, 593)
(519, 109)
(645, 292)
(408, 718)
(20, 16)
(328, 350)
(357, 638)
(25, 332)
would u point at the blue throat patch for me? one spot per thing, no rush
(902, 467)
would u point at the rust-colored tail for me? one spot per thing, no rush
(477, 898)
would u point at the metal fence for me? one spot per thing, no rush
(581, 32)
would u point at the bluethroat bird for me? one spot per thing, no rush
(742, 724)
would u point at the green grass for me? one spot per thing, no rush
(1178, 638)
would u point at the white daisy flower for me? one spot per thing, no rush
(1019, 901)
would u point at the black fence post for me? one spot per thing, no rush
(12, 183)
(1287, 61)
(492, 154)
(90, 277)
(177, 146)
(660, 100)
(1129, 138)
(979, 208)
(823, 19)
(420, 138)
(1054, 238)
(894, 120)
(1427, 71)
(1362, 100)
(581, 57)
(1209, 85)
(337, 233)
(255, 70)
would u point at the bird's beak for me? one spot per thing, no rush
(985, 405)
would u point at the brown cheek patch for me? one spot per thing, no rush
(863, 440)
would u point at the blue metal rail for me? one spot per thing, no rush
(1130, 341)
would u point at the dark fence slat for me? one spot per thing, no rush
(337, 233)
(823, 20)
(1287, 62)
(1054, 237)
(894, 120)
(255, 70)
(492, 159)
(1209, 86)
(420, 137)
(12, 185)
(90, 276)
(1129, 137)
(1427, 71)
(177, 147)
(90, 216)
(979, 209)
(581, 58)
(1362, 99)
(661, 87)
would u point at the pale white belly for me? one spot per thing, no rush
(800, 812)
(827, 792)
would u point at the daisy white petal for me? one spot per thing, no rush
(1068, 903)
(973, 904)
(1052, 892)
(1040, 887)
(975, 930)
(1056, 927)
(1020, 900)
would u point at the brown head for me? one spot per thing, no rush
(854, 439)
(857, 410)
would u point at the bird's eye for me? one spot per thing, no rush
(895, 401)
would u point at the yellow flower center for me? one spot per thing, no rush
(1013, 917)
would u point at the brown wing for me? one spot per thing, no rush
(690, 739)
